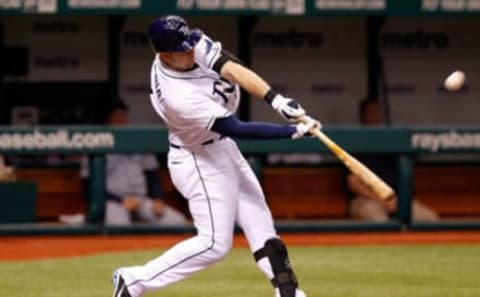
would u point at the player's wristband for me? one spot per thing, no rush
(224, 57)
(217, 66)
(271, 94)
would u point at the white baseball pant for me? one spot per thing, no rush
(221, 189)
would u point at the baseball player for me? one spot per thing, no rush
(195, 89)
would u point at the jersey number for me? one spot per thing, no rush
(223, 88)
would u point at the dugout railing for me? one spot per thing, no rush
(410, 144)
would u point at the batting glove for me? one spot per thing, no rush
(303, 128)
(288, 108)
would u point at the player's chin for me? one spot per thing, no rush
(189, 65)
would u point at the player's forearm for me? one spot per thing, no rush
(288, 108)
(246, 78)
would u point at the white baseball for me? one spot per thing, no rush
(455, 81)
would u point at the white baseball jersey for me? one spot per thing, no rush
(213, 176)
(189, 102)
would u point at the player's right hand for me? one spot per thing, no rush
(288, 108)
(305, 126)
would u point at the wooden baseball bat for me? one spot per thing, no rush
(376, 184)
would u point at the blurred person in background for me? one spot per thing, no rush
(7, 173)
(364, 203)
(134, 191)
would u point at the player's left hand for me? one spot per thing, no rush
(288, 108)
(305, 126)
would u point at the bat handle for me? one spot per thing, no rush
(313, 131)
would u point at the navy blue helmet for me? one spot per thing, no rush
(171, 33)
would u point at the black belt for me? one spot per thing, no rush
(207, 142)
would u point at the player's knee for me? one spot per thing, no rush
(222, 246)
(219, 247)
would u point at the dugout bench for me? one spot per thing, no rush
(407, 143)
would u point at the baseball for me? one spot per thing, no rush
(455, 81)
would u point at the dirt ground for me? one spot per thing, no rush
(47, 247)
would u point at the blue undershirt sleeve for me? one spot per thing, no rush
(231, 126)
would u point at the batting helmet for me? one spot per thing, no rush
(171, 34)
